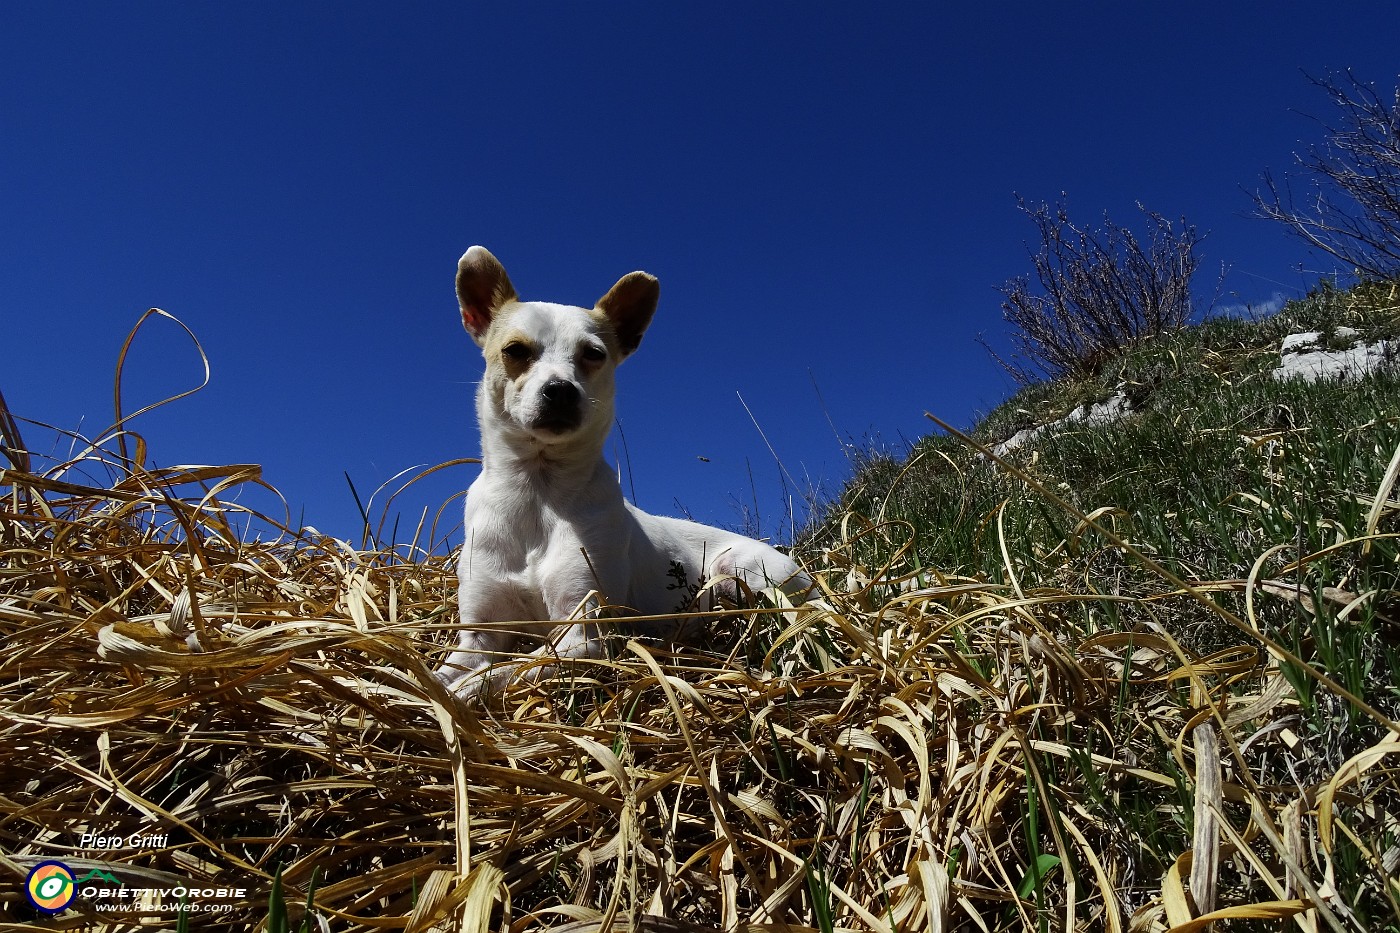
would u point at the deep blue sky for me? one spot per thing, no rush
(827, 193)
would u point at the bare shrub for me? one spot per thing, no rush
(1351, 209)
(1094, 292)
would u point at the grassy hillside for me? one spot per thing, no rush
(1142, 675)
(1260, 496)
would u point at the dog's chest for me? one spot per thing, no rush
(531, 553)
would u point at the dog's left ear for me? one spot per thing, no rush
(629, 305)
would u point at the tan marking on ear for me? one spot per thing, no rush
(628, 306)
(482, 288)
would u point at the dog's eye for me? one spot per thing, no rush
(516, 351)
(594, 354)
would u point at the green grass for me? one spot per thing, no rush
(1219, 473)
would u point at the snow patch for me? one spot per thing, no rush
(1303, 356)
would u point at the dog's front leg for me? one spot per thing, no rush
(574, 641)
(486, 606)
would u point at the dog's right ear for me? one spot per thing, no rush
(482, 287)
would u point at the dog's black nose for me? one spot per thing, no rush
(560, 393)
(561, 407)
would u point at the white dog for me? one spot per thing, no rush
(547, 529)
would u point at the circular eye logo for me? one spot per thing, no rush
(50, 886)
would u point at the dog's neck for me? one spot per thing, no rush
(561, 468)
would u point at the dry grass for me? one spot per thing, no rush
(908, 752)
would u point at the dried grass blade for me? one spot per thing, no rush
(1264, 910)
(1350, 771)
(1205, 841)
(1382, 501)
(118, 425)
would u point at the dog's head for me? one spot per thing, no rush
(549, 367)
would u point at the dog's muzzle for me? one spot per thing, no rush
(561, 407)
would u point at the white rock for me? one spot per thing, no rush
(1019, 439)
(1106, 411)
(1089, 415)
(1293, 343)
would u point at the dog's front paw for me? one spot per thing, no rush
(460, 675)
(468, 681)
